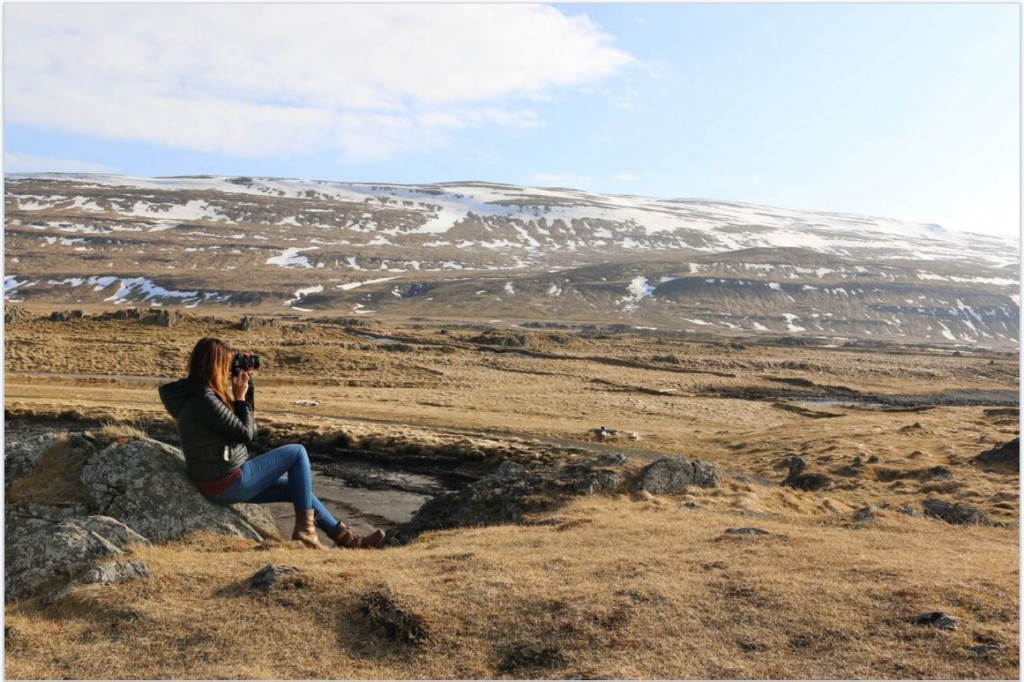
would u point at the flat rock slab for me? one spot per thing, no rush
(746, 531)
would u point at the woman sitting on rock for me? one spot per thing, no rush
(213, 411)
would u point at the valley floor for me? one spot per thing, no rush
(607, 586)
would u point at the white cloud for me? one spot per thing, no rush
(625, 177)
(259, 79)
(17, 162)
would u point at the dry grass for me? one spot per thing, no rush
(623, 588)
(611, 588)
(120, 433)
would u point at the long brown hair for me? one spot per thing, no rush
(210, 365)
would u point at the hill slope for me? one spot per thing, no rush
(482, 250)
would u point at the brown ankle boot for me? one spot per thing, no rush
(305, 529)
(346, 539)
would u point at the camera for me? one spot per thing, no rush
(244, 363)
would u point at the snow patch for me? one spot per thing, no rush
(639, 288)
(355, 285)
(291, 257)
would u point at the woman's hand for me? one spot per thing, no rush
(240, 385)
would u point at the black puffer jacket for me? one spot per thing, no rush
(212, 439)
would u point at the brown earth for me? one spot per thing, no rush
(611, 587)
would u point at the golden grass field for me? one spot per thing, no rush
(620, 587)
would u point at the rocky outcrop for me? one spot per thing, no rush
(512, 492)
(1003, 457)
(87, 499)
(45, 549)
(955, 513)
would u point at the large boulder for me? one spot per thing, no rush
(143, 484)
(672, 474)
(87, 499)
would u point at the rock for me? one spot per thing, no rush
(307, 403)
(938, 473)
(20, 457)
(40, 555)
(955, 513)
(250, 323)
(672, 474)
(509, 493)
(66, 316)
(936, 619)
(271, 576)
(612, 459)
(114, 496)
(398, 622)
(873, 459)
(603, 434)
(746, 531)
(864, 515)
(104, 574)
(985, 649)
(1003, 457)
(143, 484)
(804, 481)
(502, 339)
(168, 318)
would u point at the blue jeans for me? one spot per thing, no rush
(281, 475)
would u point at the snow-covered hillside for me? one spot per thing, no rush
(408, 249)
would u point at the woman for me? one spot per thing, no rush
(213, 411)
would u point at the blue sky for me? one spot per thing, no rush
(906, 111)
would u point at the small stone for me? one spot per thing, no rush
(872, 459)
(281, 576)
(937, 619)
(690, 505)
(864, 514)
(985, 649)
(746, 531)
